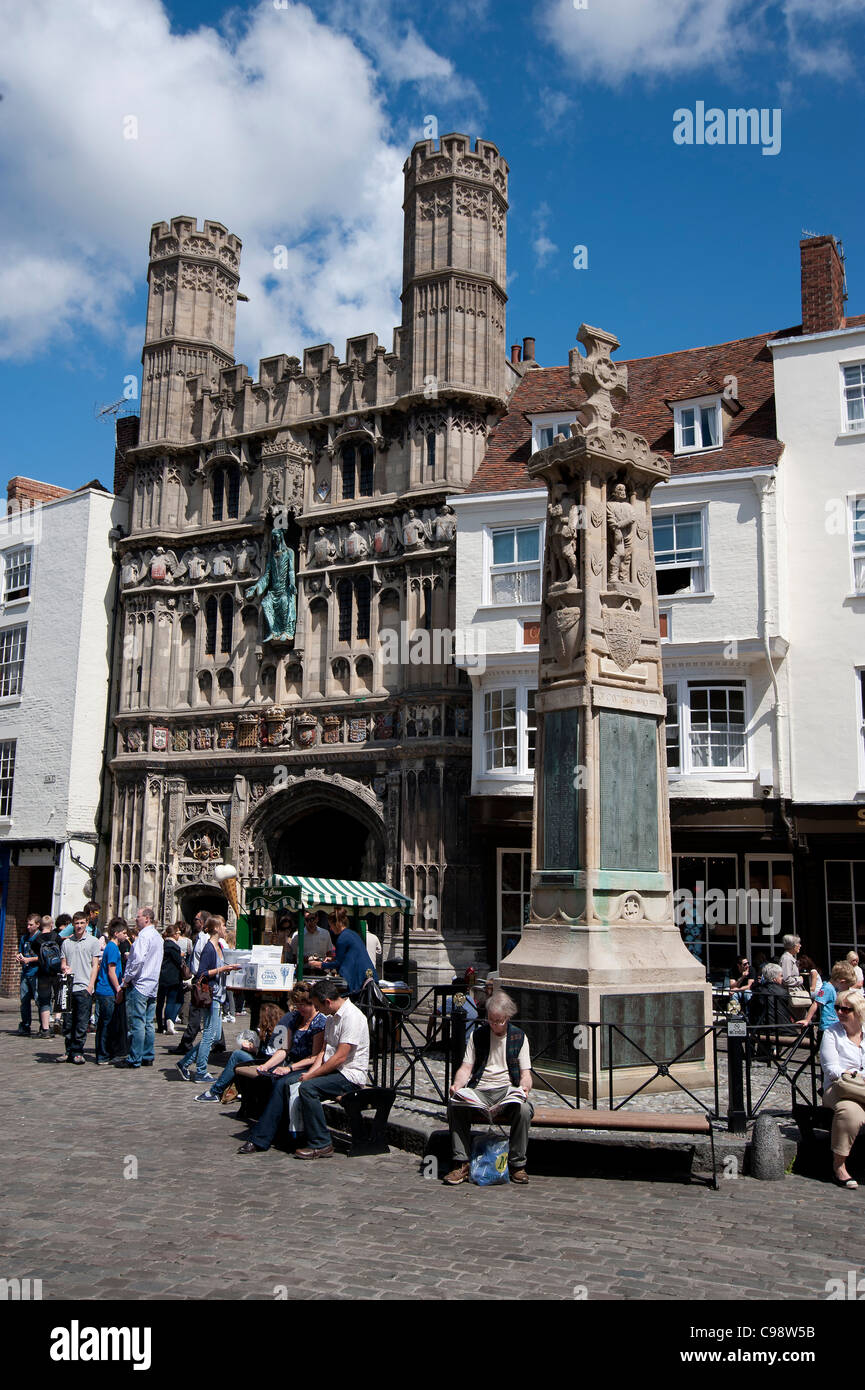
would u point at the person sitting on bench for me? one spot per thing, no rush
(271, 1031)
(337, 1071)
(497, 1058)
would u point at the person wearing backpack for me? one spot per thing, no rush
(49, 948)
(28, 959)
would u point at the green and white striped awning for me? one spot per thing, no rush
(287, 890)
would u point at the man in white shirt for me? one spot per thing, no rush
(342, 1067)
(139, 987)
(317, 940)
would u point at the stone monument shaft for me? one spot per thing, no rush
(602, 925)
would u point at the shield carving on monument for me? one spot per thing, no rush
(622, 629)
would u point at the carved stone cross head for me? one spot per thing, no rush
(605, 382)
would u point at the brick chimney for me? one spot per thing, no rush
(529, 353)
(822, 285)
(22, 493)
(515, 353)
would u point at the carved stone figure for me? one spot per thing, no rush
(163, 566)
(413, 531)
(445, 525)
(322, 549)
(222, 564)
(278, 592)
(621, 519)
(356, 544)
(382, 537)
(129, 572)
(197, 567)
(247, 557)
(562, 523)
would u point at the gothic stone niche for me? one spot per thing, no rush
(423, 721)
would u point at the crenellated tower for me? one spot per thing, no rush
(454, 269)
(191, 305)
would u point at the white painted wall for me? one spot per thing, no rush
(58, 721)
(715, 636)
(821, 465)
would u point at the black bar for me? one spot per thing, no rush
(737, 1114)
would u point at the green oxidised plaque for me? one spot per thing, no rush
(561, 847)
(629, 790)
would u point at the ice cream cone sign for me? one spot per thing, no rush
(226, 877)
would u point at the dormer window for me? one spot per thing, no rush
(698, 425)
(545, 428)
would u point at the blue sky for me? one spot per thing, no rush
(291, 125)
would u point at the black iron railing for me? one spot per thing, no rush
(767, 1066)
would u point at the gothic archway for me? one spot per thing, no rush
(321, 827)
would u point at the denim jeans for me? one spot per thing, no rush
(200, 1053)
(26, 994)
(168, 1001)
(271, 1116)
(78, 1021)
(226, 1076)
(140, 1016)
(311, 1093)
(104, 1006)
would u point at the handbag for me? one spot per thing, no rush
(850, 1086)
(202, 993)
(799, 997)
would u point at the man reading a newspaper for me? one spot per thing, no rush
(494, 1080)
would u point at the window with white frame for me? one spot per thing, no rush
(509, 730)
(697, 425)
(7, 776)
(546, 427)
(13, 641)
(854, 396)
(16, 572)
(514, 897)
(680, 551)
(845, 906)
(706, 726)
(860, 709)
(515, 570)
(857, 542)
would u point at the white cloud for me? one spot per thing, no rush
(613, 40)
(278, 129)
(542, 246)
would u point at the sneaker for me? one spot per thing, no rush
(205, 1079)
(78, 1060)
(22, 1031)
(457, 1175)
(44, 1033)
(169, 1026)
(207, 1095)
(228, 1018)
(187, 1075)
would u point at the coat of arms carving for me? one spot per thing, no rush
(622, 628)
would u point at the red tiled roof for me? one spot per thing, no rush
(750, 440)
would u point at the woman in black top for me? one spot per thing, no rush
(169, 996)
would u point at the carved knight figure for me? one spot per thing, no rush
(563, 541)
(356, 545)
(278, 591)
(413, 531)
(621, 519)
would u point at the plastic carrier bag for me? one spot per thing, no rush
(489, 1163)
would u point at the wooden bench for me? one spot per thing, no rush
(635, 1121)
(367, 1136)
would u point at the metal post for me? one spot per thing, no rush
(301, 932)
(737, 1114)
(405, 935)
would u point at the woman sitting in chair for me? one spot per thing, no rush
(842, 1051)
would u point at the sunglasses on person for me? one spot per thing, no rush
(844, 1008)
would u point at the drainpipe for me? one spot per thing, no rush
(765, 488)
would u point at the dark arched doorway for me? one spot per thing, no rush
(327, 844)
(202, 900)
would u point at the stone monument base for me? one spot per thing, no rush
(641, 981)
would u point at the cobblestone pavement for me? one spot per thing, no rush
(199, 1220)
